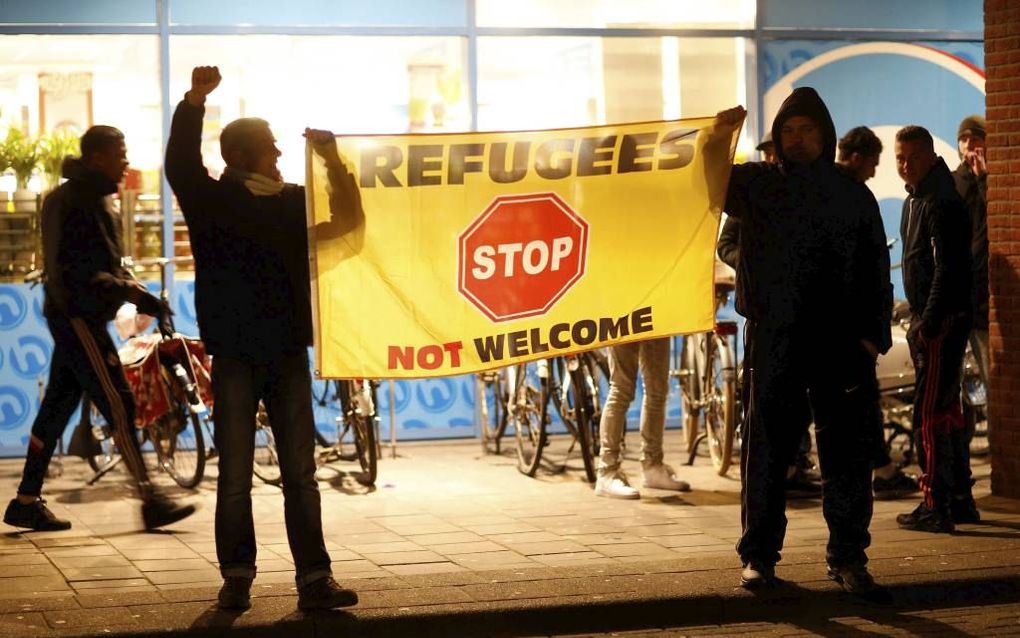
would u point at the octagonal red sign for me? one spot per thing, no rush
(521, 255)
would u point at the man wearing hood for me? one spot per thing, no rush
(938, 280)
(814, 273)
(86, 282)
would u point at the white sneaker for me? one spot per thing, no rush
(615, 486)
(662, 477)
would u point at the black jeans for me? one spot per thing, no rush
(84, 360)
(285, 386)
(785, 370)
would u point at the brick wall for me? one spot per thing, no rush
(1002, 62)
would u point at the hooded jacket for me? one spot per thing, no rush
(82, 249)
(937, 273)
(974, 191)
(813, 253)
(252, 291)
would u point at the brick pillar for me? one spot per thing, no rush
(1002, 62)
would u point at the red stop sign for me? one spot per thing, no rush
(521, 255)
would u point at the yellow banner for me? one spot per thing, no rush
(476, 251)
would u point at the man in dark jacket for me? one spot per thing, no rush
(252, 296)
(971, 178)
(815, 273)
(86, 282)
(937, 278)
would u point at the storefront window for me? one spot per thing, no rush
(52, 88)
(546, 82)
(687, 14)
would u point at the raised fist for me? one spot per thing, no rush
(204, 80)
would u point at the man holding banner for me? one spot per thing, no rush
(815, 273)
(249, 238)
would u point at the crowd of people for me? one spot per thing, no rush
(804, 235)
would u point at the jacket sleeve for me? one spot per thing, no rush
(874, 282)
(200, 196)
(728, 247)
(951, 263)
(738, 198)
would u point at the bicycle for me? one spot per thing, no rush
(708, 376)
(357, 427)
(492, 393)
(169, 375)
(571, 385)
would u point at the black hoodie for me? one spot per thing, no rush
(82, 248)
(813, 253)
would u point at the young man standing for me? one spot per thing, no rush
(937, 277)
(86, 282)
(252, 296)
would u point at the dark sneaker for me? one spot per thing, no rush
(35, 516)
(964, 510)
(899, 485)
(757, 575)
(925, 519)
(855, 579)
(325, 593)
(160, 511)
(235, 593)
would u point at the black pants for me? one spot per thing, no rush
(285, 386)
(84, 359)
(939, 427)
(839, 384)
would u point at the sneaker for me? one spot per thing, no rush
(235, 593)
(964, 510)
(925, 519)
(35, 516)
(615, 486)
(325, 593)
(899, 485)
(856, 580)
(159, 511)
(663, 477)
(757, 575)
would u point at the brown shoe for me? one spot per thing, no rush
(325, 593)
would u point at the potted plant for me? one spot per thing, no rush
(23, 154)
(54, 148)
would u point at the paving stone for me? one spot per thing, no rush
(164, 553)
(90, 618)
(405, 558)
(100, 573)
(184, 576)
(22, 558)
(31, 585)
(380, 548)
(19, 571)
(548, 547)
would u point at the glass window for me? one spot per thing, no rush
(948, 15)
(345, 84)
(319, 13)
(125, 12)
(719, 14)
(547, 82)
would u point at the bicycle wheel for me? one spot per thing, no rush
(975, 404)
(721, 409)
(359, 414)
(493, 399)
(527, 415)
(587, 427)
(266, 464)
(177, 437)
(690, 387)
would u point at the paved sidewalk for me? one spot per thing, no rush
(455, 543)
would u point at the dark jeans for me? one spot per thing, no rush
(785, 370)
(84, 359)
(939, 429)
(285, 386)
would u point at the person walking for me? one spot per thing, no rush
(252, 296)
(816, 275)
(86, 282)
(937, 278)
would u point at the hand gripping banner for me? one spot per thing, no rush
(454, 253)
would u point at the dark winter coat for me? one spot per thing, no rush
(252, 288)
(974, 192)
(812, 253)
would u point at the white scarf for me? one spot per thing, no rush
(258, 185)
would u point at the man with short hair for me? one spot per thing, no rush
(253, 301)
(86, 282)
(767, 148)
(859, 152)
(971, 178)
(815, 273)
(937, 278)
